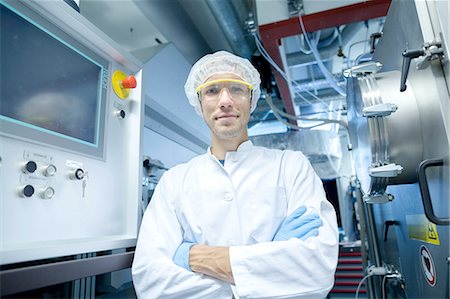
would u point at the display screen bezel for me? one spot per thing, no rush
(14, 128)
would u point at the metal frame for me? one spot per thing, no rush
(34, 277)
(272, 33)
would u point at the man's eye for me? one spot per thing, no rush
(211, 90)
(238, 89)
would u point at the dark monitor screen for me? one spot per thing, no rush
(47, 84)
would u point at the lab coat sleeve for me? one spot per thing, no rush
(155, 275)
(293, 268)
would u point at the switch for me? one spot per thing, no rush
(129, 82)
(47, 193)
(121, 84)
(26, 191)
(77, 174)
(49, 170)
(29, 167)
(120, 113)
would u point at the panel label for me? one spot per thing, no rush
(421, 229)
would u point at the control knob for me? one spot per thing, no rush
(29, 167)
(49, 170)
(26, 191)
(47, 193)
(77, 174)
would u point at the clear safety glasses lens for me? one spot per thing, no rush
(237, 89)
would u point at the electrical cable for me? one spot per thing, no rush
(360, 284)
(322, 67)
(293, 117)
(350, 48)
(269, 59)
(383, 287)
(278, 112)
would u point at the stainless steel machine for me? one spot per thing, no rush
(399, 126)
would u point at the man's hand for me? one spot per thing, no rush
(181, 256)
(298, 226)
(210, 260)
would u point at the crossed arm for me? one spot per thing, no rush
(215, 260)
(211, 260)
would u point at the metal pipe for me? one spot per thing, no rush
(373, 241)
(374, 249)
(227, 18)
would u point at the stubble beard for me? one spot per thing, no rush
(227, 132)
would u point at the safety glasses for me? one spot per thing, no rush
(238, 89)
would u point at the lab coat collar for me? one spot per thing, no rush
(243, 147)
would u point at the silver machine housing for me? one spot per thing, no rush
(399, 128)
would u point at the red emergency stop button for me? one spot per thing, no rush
(129, 82)
(121, 84)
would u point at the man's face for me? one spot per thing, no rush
(226, 114)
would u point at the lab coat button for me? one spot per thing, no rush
(228, 197)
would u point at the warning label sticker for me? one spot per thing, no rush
(428, 268)
(421, 229)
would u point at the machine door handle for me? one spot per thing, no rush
(429, 52)
(407, 56)
(424, 190)
(373, 38)
(388, 224)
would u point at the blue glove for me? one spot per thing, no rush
(298, 226)
(181, 256)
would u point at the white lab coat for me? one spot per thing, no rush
(241, 205)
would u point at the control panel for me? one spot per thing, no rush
(70, 133)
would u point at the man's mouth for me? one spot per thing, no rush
(226, 116)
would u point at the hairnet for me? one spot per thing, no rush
(219, 63)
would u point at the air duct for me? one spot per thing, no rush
(228, 20)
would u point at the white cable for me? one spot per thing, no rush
(275, 110)
(349, 50)
(276, 113)
(359, 285)
(283, 74)
(301, 45)
(383, 287)
(322, 67)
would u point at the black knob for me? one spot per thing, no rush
(120, 113)
(79, 174)
(28, 191)
(30, 167)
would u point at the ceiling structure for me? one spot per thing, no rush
(340, 29)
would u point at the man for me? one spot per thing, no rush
(239, 220)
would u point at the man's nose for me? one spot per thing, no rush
(225, 98)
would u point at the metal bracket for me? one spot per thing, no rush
(384, 109)
(432, 51)
(429, 51)
(362, 69)
(378, 198)
(386, 171)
